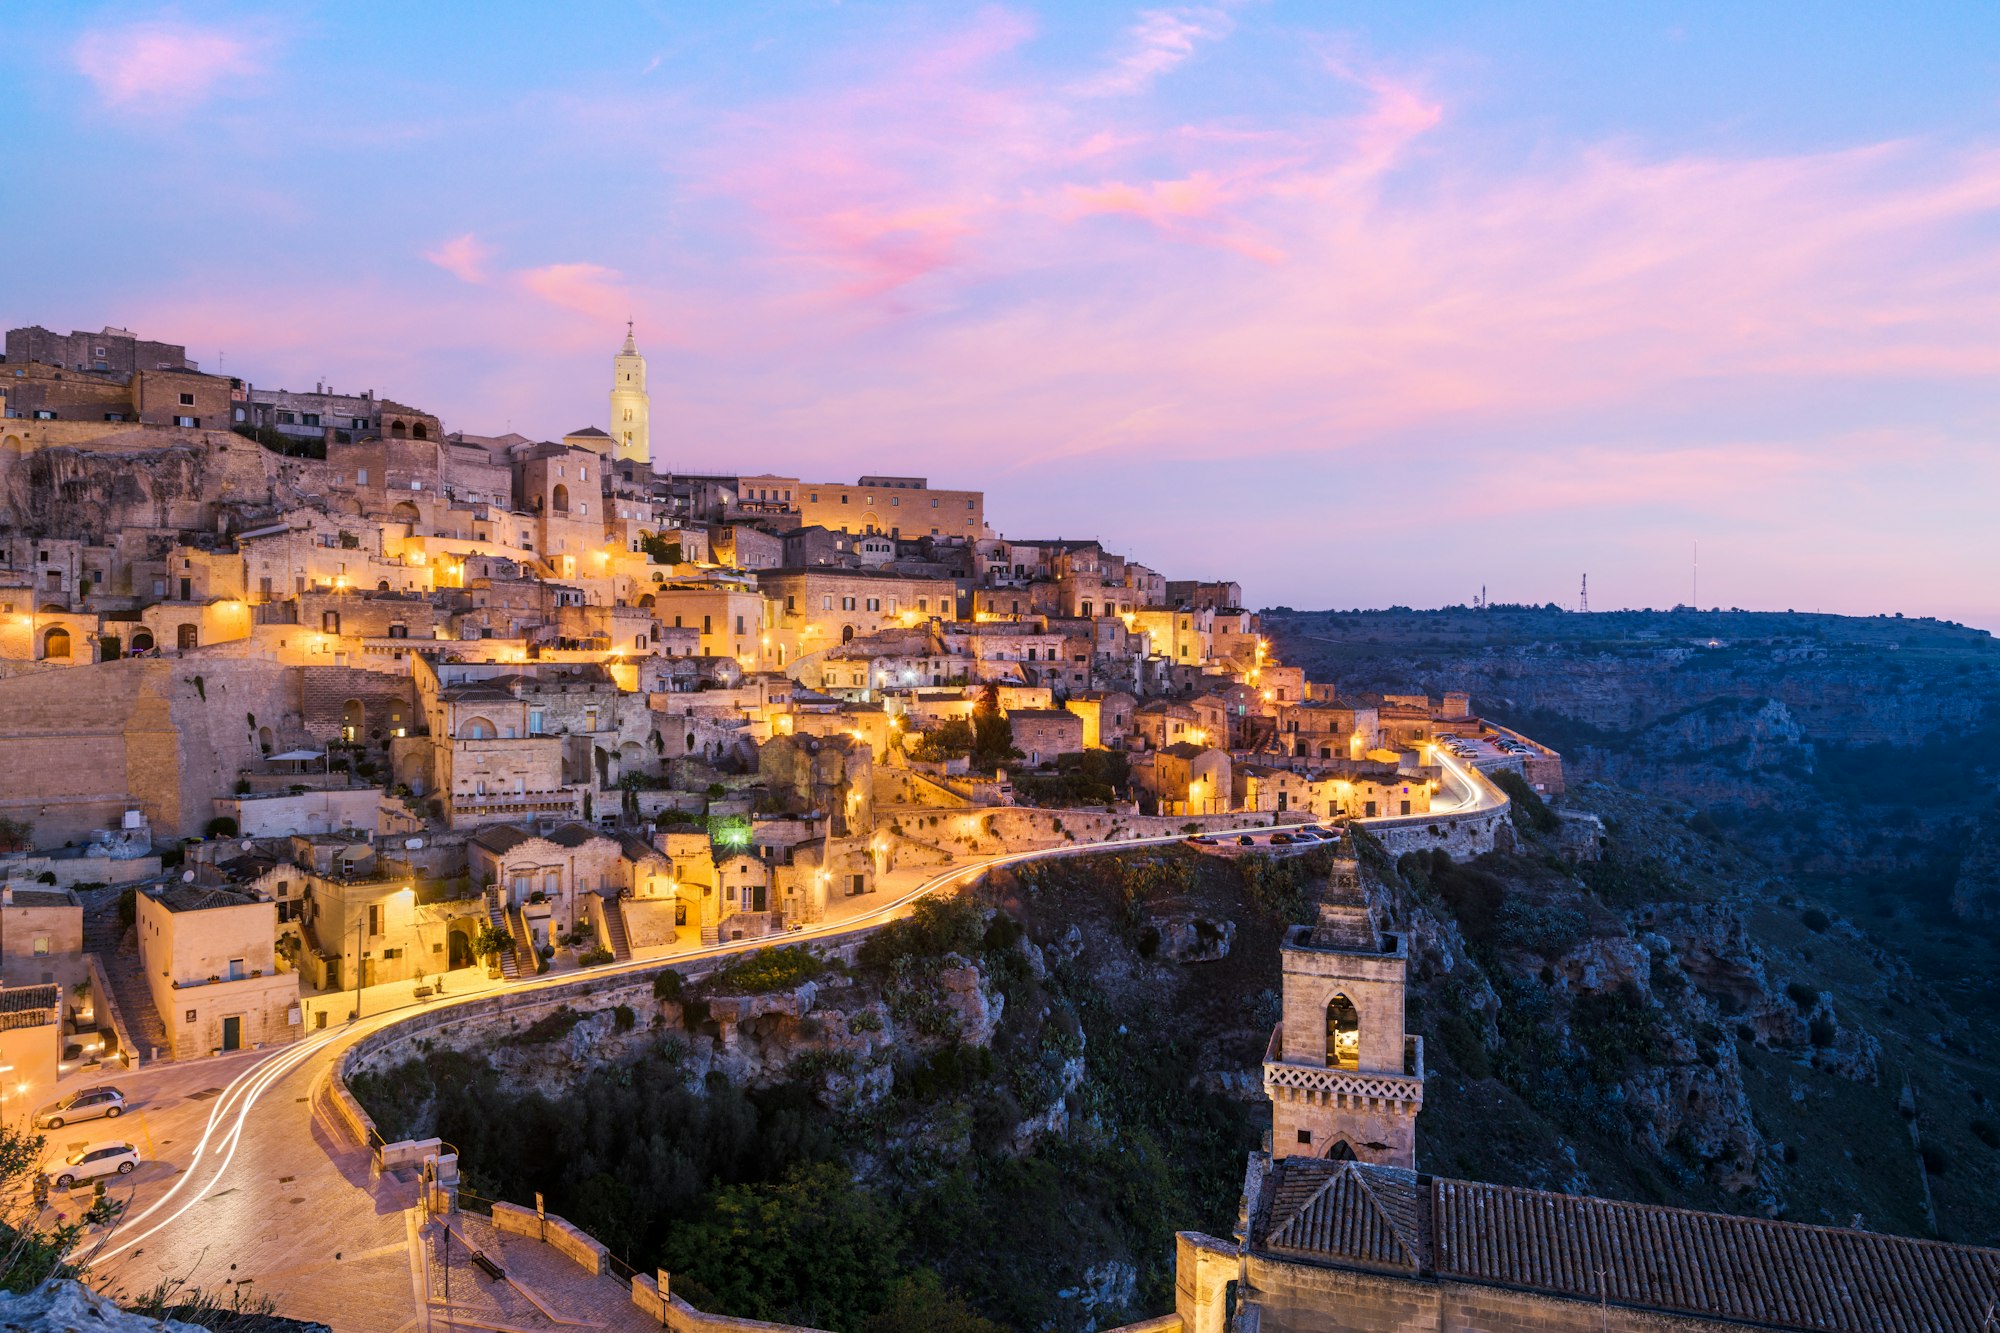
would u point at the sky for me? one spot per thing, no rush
(1356, 304)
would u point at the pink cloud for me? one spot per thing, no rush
(1160, 42)
(586, 289)
(464, 257)
(165, 64)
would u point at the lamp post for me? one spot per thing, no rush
(359, 922)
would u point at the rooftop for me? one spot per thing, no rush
(1778, 1275)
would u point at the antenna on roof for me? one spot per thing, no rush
(1583, 597)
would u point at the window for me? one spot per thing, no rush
(187, 400)
(874, 603)
(826, 603)
(41, 946)
(310, 418)
(1305, 1136)
(188, 422)
(374, 918)
(895, 500)
(286, 419)
(934, 504)
(847, 603)
(739, 624)
(361, 476)
(843, 499)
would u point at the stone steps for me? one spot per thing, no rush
(510, 967)
(118, 953)
(614, 926)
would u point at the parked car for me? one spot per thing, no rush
(105, 1159)
(1246, 841)
(1282, 839)
(83, 1104)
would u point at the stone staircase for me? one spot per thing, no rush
(614, 928)
(497, 917)
(118, 954)
(524, 942)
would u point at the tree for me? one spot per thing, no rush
(953, 740)
(992, 733)
(35, 1235)
(921, 1303)
(492, 940)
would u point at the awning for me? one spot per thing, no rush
(296, 756)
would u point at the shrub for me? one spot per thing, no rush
(1531, 813)
(222, 826)
(767, 970)
(596, 957)
(623, 1019)
(668, 986)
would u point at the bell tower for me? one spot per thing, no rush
(1344, 1079)
(629, 404)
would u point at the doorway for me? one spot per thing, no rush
(232, 1034)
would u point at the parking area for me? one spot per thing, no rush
(1484, 750)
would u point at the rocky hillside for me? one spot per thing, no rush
(1775, 993)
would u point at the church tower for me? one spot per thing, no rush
(1345, 1080)
(629, 404)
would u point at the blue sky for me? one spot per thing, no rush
(1358, 304)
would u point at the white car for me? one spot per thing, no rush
(83, 1104)
(105, 1159)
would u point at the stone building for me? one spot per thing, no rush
(557, 883)
(833, 775)
(1044, 734)
(895, 506)
(115, 353)
(210, 960)
(31, 1048)
(1107, 717)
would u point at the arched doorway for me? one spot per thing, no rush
(458, 946)
(142, 641)
(847, 634)
(478, 729)
(1341, 1151)
(55, 644)
(1343, 1034)
(420, 431)
(352, 719)
(186, 637)
(405, 512)
(559, 499)
(265, 740)
(397, 430)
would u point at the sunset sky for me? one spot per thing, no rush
(1357, 304)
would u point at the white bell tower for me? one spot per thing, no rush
(629, 404)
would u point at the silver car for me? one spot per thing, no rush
(102, 1159)
(83, 1104)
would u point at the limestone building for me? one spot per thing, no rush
(630, 405)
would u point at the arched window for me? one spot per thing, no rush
(559, 498)
(478, 729)
(142, 641)
(847, 634)
(55, 644)
(420, 432)
(1341, 1151)
(1343, 1034)
(398, 429)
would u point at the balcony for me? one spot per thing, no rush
(1319, 1081)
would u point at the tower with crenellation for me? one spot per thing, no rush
(1344, 1078)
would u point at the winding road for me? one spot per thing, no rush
(254, 1181)
(251, 1178)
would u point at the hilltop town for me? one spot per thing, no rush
(377, 747)
(365, 702)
